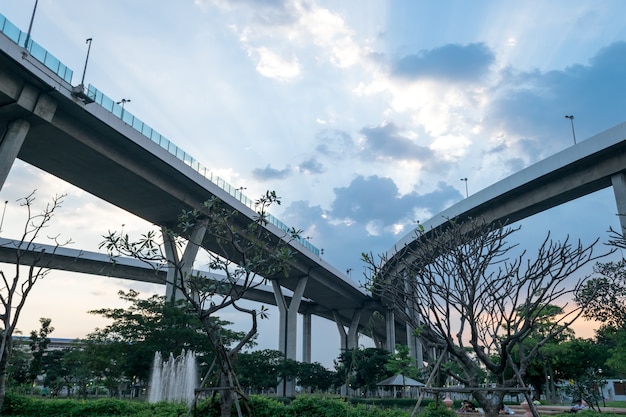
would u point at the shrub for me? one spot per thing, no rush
(266, 407)
(17, 405)
(437, 410)
(307, 406)
(362, 410)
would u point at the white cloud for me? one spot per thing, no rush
(271, 65)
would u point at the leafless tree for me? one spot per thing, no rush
(246, 254)
(31, 263)
(475, 298)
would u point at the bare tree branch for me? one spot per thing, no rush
(466, 292)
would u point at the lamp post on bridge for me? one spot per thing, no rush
(466, 189)
(30, 25)
(3, 211)
(122, 102)
(82, 80)
(571, 119)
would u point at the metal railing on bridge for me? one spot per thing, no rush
(43, 56)
(39, 53)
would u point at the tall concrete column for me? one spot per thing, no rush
(353, 330)
(288, 329)
(180, 270)
(390, 326)
(171, 253)
(619, 190)
(349, 339)
(10, 145)
(306, 338)
(343, 335)
(415, 346)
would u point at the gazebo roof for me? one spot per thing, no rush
(397, 381)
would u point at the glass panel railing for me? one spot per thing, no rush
(35, 50)
(40, 54)
(10, 30)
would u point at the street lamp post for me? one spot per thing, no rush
(122, 102)
(30, 25)
(3, 211)
(571, 119)
(466, 189)
(82, 80)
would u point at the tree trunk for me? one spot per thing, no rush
(226, 395)
(4, 363)
(3, 380)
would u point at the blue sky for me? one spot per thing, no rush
(363, 115)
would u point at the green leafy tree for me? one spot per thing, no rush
(605, 294)
(59, 371)
(314, 376)
(540, 371)
(242, 249)
(39, 342)
(362, 368)
(78, 365)
(611, 343)
(572, 358)
(146, 326)
(259, 370)
(401, 363)
(107, 364)
(17, 372)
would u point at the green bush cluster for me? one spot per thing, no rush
(17, 405)
(303, 406)
(437, 410)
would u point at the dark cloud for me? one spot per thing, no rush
(532, 105)
(269, 173)
(334, 143)
(377, 199)
(386, 143)
(342, 243)
(512, 161)
(364, 201)
(269, 12)
(451, 63)
(311, 166)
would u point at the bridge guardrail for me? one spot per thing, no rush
(43, 56)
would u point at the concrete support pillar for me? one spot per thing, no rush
(343, 336)
(10, 145)
(415, 346)
(619, 190)
(353, 330)
(390, 325)
(171, 292)
(288, 329)
(179, 270)
(419, 349)
(306, 338)
(349, 339)
(343, 345)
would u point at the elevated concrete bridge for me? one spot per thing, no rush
(82, 137)
(594, 164)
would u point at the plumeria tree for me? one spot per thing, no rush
(475, 298)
